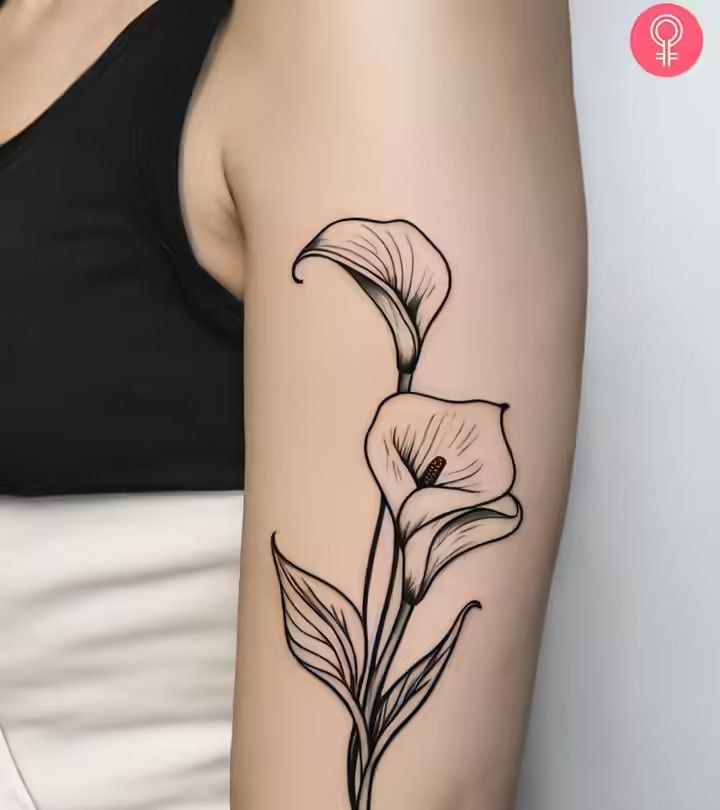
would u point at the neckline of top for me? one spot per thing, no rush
(10, 147)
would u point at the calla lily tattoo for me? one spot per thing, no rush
(445, 470)
(445, 475)
(398, 267)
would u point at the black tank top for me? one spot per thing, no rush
(120, 357)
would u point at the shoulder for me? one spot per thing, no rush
(286, 59)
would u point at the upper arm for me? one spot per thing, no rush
(460, 134)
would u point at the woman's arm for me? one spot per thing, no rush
(408, 179)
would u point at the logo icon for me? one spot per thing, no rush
(666, 40)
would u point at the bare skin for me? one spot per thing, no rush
(457, 116)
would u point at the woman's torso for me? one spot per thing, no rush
(122, 356)
(121, 360)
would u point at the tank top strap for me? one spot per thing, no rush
(183, 34)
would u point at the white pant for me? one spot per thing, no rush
(117, 642)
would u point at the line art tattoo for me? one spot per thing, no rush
(445, 474)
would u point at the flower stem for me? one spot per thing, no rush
(374, 696)
(366, 790)
(371, 643)
(359, 771)
(354, 764)
(362, 734)
(404, 382)
(377, 678)
(365, 795)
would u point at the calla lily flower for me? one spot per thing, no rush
(400, 269)
(445, 470)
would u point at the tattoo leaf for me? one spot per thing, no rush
(323, 629)
(410, 692)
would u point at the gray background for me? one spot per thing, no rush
(627, 706)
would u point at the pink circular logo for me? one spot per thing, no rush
(666, 40)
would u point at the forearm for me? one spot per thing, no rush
(473, 143)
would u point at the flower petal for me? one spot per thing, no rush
(427, 505)
(432, 456)
(445, 539)
(399, 268)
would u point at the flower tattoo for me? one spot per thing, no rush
(445, 475)
(400, 270)
(445, 471)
